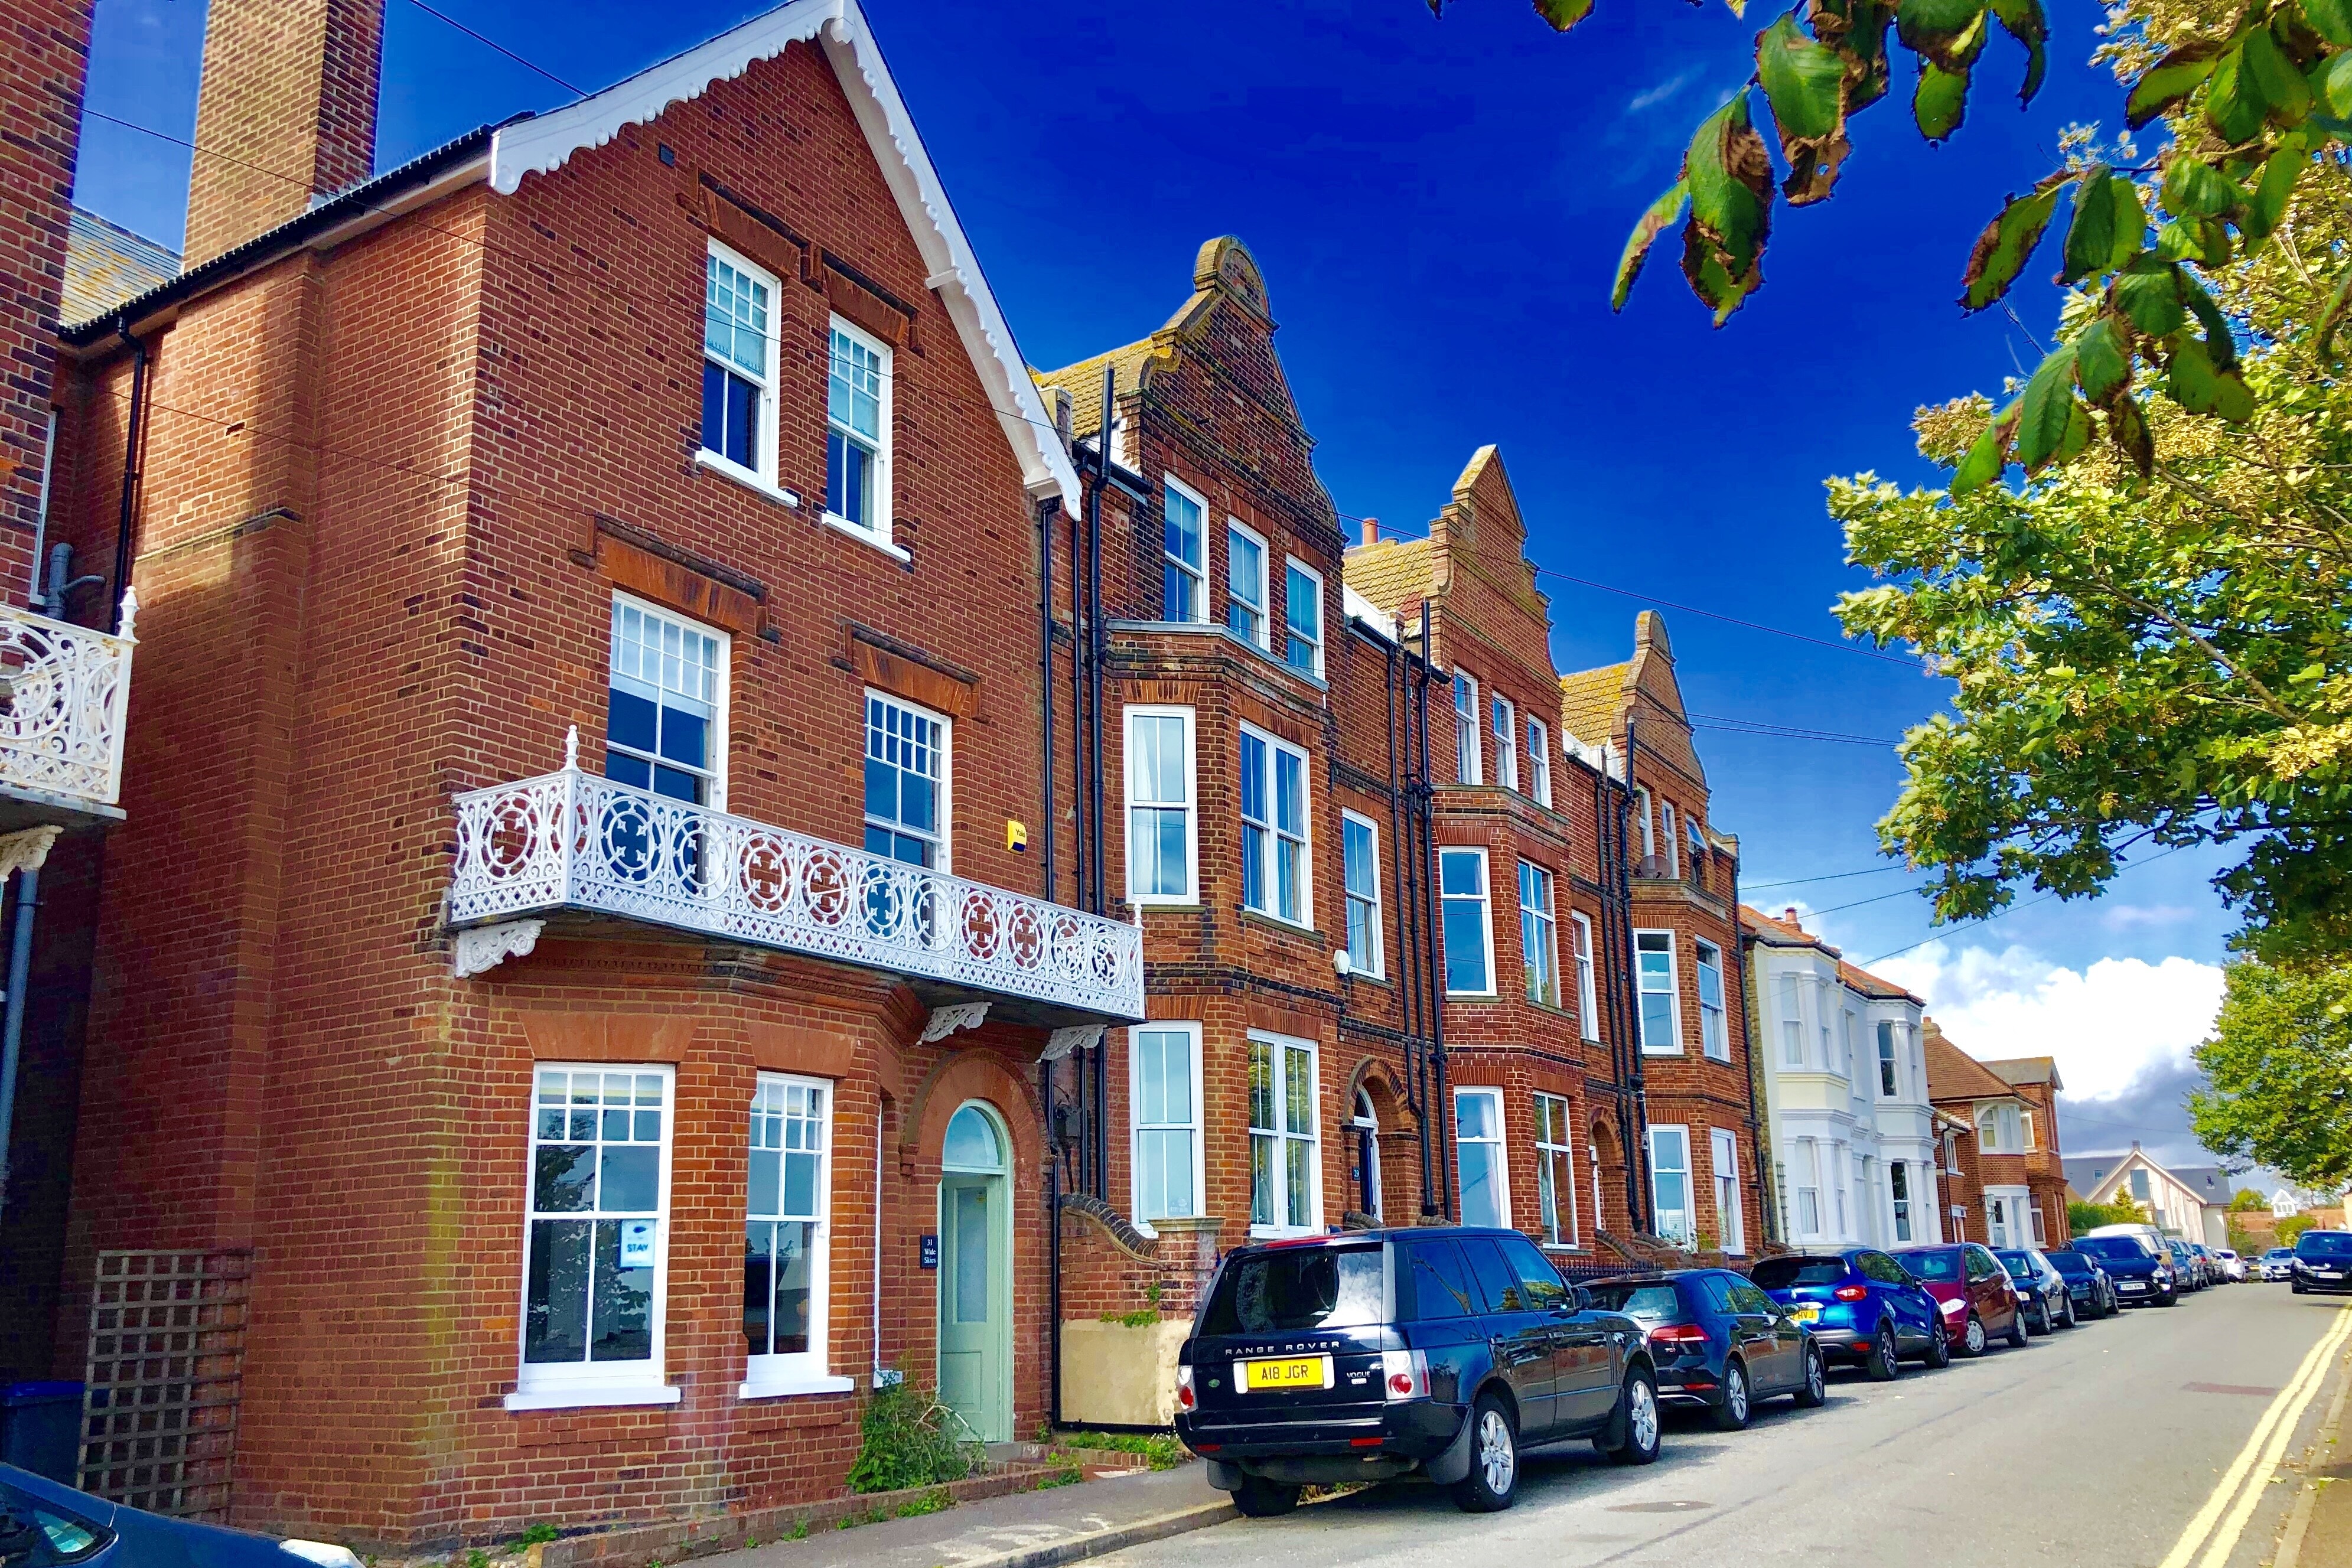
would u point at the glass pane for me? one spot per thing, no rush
(1474, 1116)
(555, 1299)
(1290, 878)
(1254, 841)
(971, 1143)
(631, 1180)
(1298, 1091)
(629, 720)
(765, 1181)
(968, 1215)
(1183, 528)
(1302, 604)
(1261, 1092)
(1465, 946)
(564, 1178)
(623, 1310)
(1290, 793)
(1461, 873)
(1176, 589)
(854, 391)
(1253, 779)
(796, 1276)
(1298, 1185)
(759, 1284)
(1262, 1178)
(800, 1185)
(1357, 846)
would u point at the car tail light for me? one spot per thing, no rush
(1678, 1335)
(1404, 1374)
(1183, 1388)
(1850, 1293)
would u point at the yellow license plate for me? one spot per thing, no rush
(1807, 1314)
(1296, 1372)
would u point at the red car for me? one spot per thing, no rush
(1972, 1292)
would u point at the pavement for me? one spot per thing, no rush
(2162, 1439)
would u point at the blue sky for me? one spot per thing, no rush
(1438, 207)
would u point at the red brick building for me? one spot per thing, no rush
(2009, 1189)
(572, 963)
(1701, 1099)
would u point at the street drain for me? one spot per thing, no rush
(1678, 1505)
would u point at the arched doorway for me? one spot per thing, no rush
(975, 1304)
(1608, 1176)
(1364, 1195)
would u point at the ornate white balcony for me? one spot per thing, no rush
(63, 692)
(574, 842)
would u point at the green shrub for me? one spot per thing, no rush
(910, 1440)
(2292, 1226)
(538, 1534)
(1159, 1449)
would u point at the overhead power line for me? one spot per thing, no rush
(493, 44)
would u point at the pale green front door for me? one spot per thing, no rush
(975, 1277)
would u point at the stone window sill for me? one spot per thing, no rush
(593, 1398)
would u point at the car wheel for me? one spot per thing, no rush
(2170, 1298)
(1815, 1391)
(1493, 1478)
(2017, 1335)
(1641, 1401)
(1263, 1498)
(1939, 1349)
(1730, 1412)
(1972, 1338)
(2068, 1320)
(1884, 1364)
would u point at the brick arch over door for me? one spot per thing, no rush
(974, 1075)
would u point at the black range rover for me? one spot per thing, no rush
(1440, 1354)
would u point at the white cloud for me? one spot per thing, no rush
(2129, 917)
(1650, 98)
(2109, 1027)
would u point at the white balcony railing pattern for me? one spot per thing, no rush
(570, 840)
(66, 689)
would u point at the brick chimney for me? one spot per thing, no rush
(1789, 916)
(286, 113)
(1372, 530)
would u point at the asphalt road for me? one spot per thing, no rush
(2095, 1446)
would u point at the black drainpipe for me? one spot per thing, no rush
(1441, 1107)
(135, 440)
(1637, 1110)
(1747, 1039)
(1046, 510)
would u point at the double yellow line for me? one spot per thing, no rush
(2232, 1503)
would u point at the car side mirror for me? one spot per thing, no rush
(1581, 1297)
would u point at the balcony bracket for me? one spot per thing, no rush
(944, 1021)
(481, 948)
(26, 850)
(1079, 1037)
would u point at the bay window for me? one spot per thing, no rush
(1670, 1188)
(1467, 923)
(1164, 1080)
(1713, 1036)
(1555, 1171)
(1538, 942)
(1662, 1031)
(1478, 1155)
(1361, 867)
(1588, 1002)
(1163, 847)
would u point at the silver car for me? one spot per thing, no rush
(2277, 1264)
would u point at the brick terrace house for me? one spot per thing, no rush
(1698, 1082)
(573, 930)
(2011, 1191)
(1532, 934)
(66, 641)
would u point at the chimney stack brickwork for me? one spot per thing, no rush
(44, 61)
(286, 113)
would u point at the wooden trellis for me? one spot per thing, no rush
(165, 1376)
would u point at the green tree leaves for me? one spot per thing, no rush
(2006, 244)
(2281, 1066)
(1665, 210)
(2109, 229)
(1728, 174)
(1805, 83)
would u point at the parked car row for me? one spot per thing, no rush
(1444, 1353)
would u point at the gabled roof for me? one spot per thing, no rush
(106, 263)
(1870, 984)
(1589, 703)
(1780, 932)
(1954, 1074)
(2028, 1070)
(1391, 574)
(544, 142)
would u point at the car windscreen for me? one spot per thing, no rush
(1786, 1273)
(2069, 1262)
(1301, 1288)
(2018, 1264)
(1651, 1303)
(2114, 1248)
(2324, 1244)
(1942, 1266)
(2278, 1254)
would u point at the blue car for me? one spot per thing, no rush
(1861, 1307)
(2142, 1275)
(1717, 1341)
(44, 1522)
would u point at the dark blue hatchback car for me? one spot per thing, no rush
(1718, 1342)
(1862, 1306)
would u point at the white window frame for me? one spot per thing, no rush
(1500, 1143)
(1191, 804)
(1199, 574)
(803, 1371)
(1689, 1236)
(1890, 1060)
(557, 1386)
(1136, 1126)
(1538, 762)
(1666, 834)
(1730, 1218)
(1713, 1023)
(1282, 1045)
(1548, 928)
(1648, 821)
(1673, 993)
(1467, 746)
(1504, 719)
(884, 456)
(2025, 1129)
(1262, 608)
(2036, 1224)
(1809, 1191)
(1587, 1003)
(1321, 638)
(1994, 1125)
(1903, 1204)
(1375, 966)
(761, 475)
(1563, 1198)
(724, 668)
(1485, 897)
(1846, 1041)
(1791, 1006)
(947, 767)
(1274, 838)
